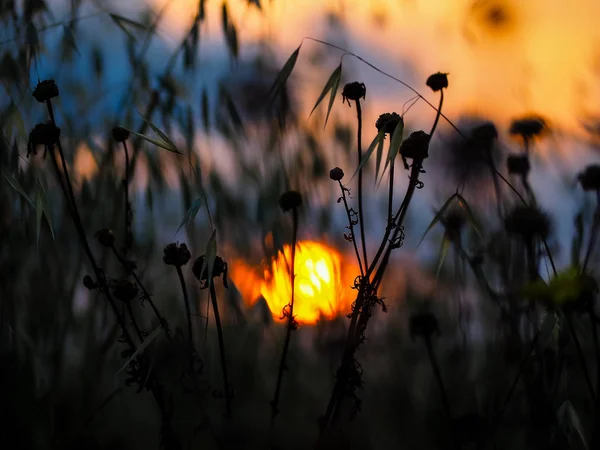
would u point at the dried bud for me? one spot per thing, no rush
(416, 146)
(437, 81)
(44, 134)
(176, 255)
(336, 174)
(453, 222)
(528, 222)
(219, 269)
(590, 178)
(45, 90)
(120, 134)
(290, 200)
(354, 91)
(485, 135)
(388, 122)
(527, 127)
(124, 290)
(89, 283)
(518, 164)
(423, 325)
(106, 237)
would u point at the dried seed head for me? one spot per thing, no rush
(336, 174)
(124, 290)
(105, 237)
(290, 200)
(590, 178)
(527, 127)
(528, 222)
(44, 134)
(176, 255)
(89, 283)
(485, 134)
(354, 91)
(388, 122)
(416, 146)
(219, 269)
(423, 325)
(437, 81)
(45, 90)
(120, 134)
(518, 164)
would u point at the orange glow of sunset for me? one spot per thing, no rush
(505, 58)
(322, 285)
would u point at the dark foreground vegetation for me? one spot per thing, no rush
(119, 325)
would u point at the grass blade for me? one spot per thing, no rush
(16, 186)
(470, 216)
(331, 87)
(443, 252)
(395, 144)
(149, 340)
(437, 217)
(191, 213)
(377, 142)
(121, 21)
(283, 75)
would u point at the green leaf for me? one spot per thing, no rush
(283, 75)
(437, 217)
(378, 141)
(149, 340)
(16, 186)
(443, 252)
(191, 213)
(121, 21)
(162, 135)
(331, 87)
(210, 255)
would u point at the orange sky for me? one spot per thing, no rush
(505, 57)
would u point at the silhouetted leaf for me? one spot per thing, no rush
(143, 346)
(331, 87)
(255, 2)
(395, 143)
(205, 112)
(283, 75)
(232, 110)
(437, 217)
(470, 216)
(378, 141)
(191, 213)
(569, 419)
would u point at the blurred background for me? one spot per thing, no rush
(202, 72)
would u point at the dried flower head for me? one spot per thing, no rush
(388, 122)
(423, 325)
(336, 174)
(416, 146)
(45, 90)
(124, 290)
(44, 134)
(89, 283)
(485, 134)
(528, 127)
(290, 200)
(528, 222)
(219, 269)
(437, 81)
(105, 237)
(176, 255)
(590, 178)
(518, 164)
(354, 91)
(120, 134)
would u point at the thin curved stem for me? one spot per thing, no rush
(186, 300)
(351, 228)
(360, 184)
(226, 385)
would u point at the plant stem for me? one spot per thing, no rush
(593, 233)
(291, 325)
(438, 375)
(128, 233)
(584, 368)
(227, 391)
(360, 184)
(186, 301)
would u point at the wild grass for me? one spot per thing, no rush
(116, 334)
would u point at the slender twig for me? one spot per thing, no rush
(351, 228)
(226, 385)
(291, 322)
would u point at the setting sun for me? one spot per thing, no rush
(322, 286)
